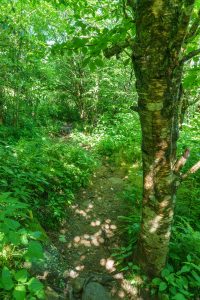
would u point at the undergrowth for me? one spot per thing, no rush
(39, 177)
(44, 173)
(18, 245)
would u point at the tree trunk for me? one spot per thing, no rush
(161, 27)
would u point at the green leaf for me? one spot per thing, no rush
(92, 66)
(6, 279)
(179, 297)
(34, 251)
(24, 239)
(162, 286)
(2, 236)
(189, 258)
(36, 287)
(156, 281)
(165, 272)
(21, 275)
(173, 290)
(62, 238)
(127, 62)
(196, 276)
(170, 278)
(12, 224)
(99, 62)
(19, 292)
(35, 235)
(14, 238)
(185, 269)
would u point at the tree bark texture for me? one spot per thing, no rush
(161, 27)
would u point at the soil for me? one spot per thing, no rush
(92, 231)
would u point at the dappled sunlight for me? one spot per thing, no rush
(81, 212)
(118, 276)
(109, 264)
(165, 203)
(121, 294)
(105, 231)
(73, 274)
(148, 181)
(155, 224)
(93, 233)
(95, 223)
(129, 289)
(80, 267)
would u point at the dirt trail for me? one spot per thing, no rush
(92, 230)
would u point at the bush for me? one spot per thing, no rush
(44, 173)
(120, 137)
(18, 245)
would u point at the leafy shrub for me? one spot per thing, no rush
(181, 278)
(178, 285)
(17, 245)
(184, 237)
(44, 173)
(120, 137)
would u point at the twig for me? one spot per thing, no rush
(116, 49)
(192, 170)
(190, 55)
(182, 161)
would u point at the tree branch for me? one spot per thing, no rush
(116, 49)
(181, 161)
(192, 170)
(190, 55)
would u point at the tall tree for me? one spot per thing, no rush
(154, 34)
(158, 59)
(162, 32)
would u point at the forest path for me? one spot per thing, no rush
(92, 230)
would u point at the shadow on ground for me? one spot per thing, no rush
(91, 234)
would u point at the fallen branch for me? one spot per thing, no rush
(192, 170)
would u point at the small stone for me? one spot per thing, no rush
(95, 291)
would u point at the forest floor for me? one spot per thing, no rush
(92, 231)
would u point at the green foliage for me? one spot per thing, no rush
(121, 139)
(53, 71)
(184, 234)
(130, 229)
(181, 278)
(18, 245)
(181, 284)
(44, 173)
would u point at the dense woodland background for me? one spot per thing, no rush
(65, 109)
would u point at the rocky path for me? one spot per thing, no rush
(92, 233)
